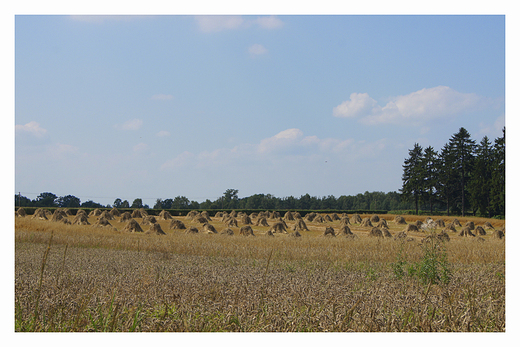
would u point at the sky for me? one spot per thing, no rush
(160, 106)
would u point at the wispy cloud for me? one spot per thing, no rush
(217, 23)
(270, 22)
(163, 133)
(414, 108)
(257, 49)
(208, 24)
(32, 128)
(162, 97)
(133, 124)
(290, 144)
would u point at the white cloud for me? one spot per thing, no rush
(32, 128)
(133, 124)
(162, 97)
(182, 160)
(216, 23)
(163, 133)
(290, 144)
(140, 148)
(257, 49)
(358, 105)
(414, 108)
(283, 139)
(270, 22)
(209, 24)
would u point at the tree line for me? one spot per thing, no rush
(231, 200)
(464, 176)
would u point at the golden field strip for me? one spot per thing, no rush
(85, 278)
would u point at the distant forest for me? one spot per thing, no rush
(464, 178)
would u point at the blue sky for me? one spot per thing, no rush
(154, 107)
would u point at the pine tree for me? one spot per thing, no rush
(498, 177)
(480, 184)
(463, 149)
(446, 177)
(430, 175)
(413, 176)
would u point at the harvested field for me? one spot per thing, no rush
(98, 279)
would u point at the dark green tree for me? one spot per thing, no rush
(446, 177)
(463, 148)
(413, 176)
(118, 203)
(46, 199)
(480, 185)
(138, 203)
(230, 198)
(498, 177)
(430, 165)
(68, 201)
(125, 204)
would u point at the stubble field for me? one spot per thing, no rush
(87, 278)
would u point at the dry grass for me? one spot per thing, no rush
(98, 279)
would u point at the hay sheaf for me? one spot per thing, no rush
(470, 225)
(375, 232)
(399, 220)
(498, 234)
(261, 222)
(344, 230)
(102, 223)
(386, 232)
(374, 218)
(319, 219)
(21, 212)
(58, 215)
(133, 227)
(440, 223)
(488, 225)
(209, 229)
(155, 229)
(231, 222)
(177, 224)
(382, 223)
(450, 227)
(40, 214)
(192, 214)
(480, 231)
(149, 220)
(366, 223)
(269, 233)
(335, 216)
(295, 234)
(297, 215)
(125, 216)
(327, 218)
(344, 221)
(356, 219)
(300, 225)
(246, 220)
(329, 231)
(411, 228)
(246, 230)
(309, 217)
(115, 212)
(205, 214)
(466, 231)
(279, 227)
(165, 215)
(97, 212)
(80, 219)
(227, 231)
(200, 219)
(107, 215)
(137, 214)
(418, 224)
(191, 230)
(456, 222)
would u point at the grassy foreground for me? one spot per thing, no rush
(83, 278)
